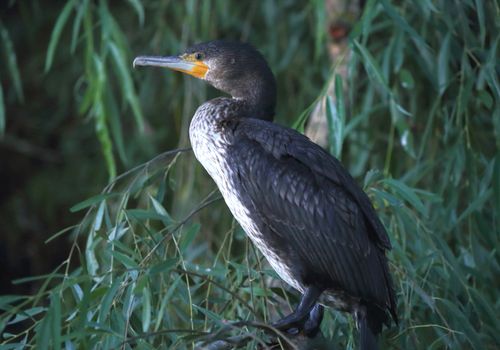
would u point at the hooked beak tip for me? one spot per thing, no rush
(138, 61)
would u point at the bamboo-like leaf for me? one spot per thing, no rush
(77, 24)
(92, 201)
(372, 68)
(161, 210)
(25, 314)
(442, 67)
(56, 32)
(146, 309)
(55, 312)
(165, 300)
(99, 216)
(210, 314)
(12, 66)
(476, 204)
(321, 14)
(43, 335)
(107, 301)
(402, 23)
(481, 19)
(407, 193)
(91, 261)
(164, 266)
(99, 113)
(127, 261)
(139, 9)
(127, 86)
(188, 237)
(144, 214)
(114, 122)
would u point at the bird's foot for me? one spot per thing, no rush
(313, 323)
(291, 324)
(307, 316)
(295, 323)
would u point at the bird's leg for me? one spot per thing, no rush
(297, 319)
(311, 327)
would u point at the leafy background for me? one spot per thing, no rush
(153, 259)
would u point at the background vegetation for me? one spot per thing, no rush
(155, 259)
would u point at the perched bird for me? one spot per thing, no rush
(300, 207)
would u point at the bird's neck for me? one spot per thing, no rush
(258, 96)
(248, 109)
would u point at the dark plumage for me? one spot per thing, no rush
(302, 209)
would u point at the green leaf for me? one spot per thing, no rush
(335, 114)
(164, 266)
(77, 23)
(407, 80)
(12, 66)
(162, 211)
(92, 201)
(407, 193)
(143, 214)
(56, 32)
(128, 262)
(372, 67)
(6, 301)
(188, 237)
(55, 312)
(443, 63)
(127, 86)
(43, 335)
(113, 114)
(210, 314)
(486, 99)
(476, 204)
(91, 259)
(146, 309)
(25, 314)
(402, 23)
(481, 20)
(107, 301)
(139, 9)
(165, 301)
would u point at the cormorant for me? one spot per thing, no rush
(300, 207)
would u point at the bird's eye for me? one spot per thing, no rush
(198, 56)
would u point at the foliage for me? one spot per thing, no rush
(160, 261)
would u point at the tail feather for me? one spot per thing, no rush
(370, 319)
(368, 339)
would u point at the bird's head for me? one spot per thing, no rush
(232, 67)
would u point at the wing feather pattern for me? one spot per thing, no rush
(312, 205)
